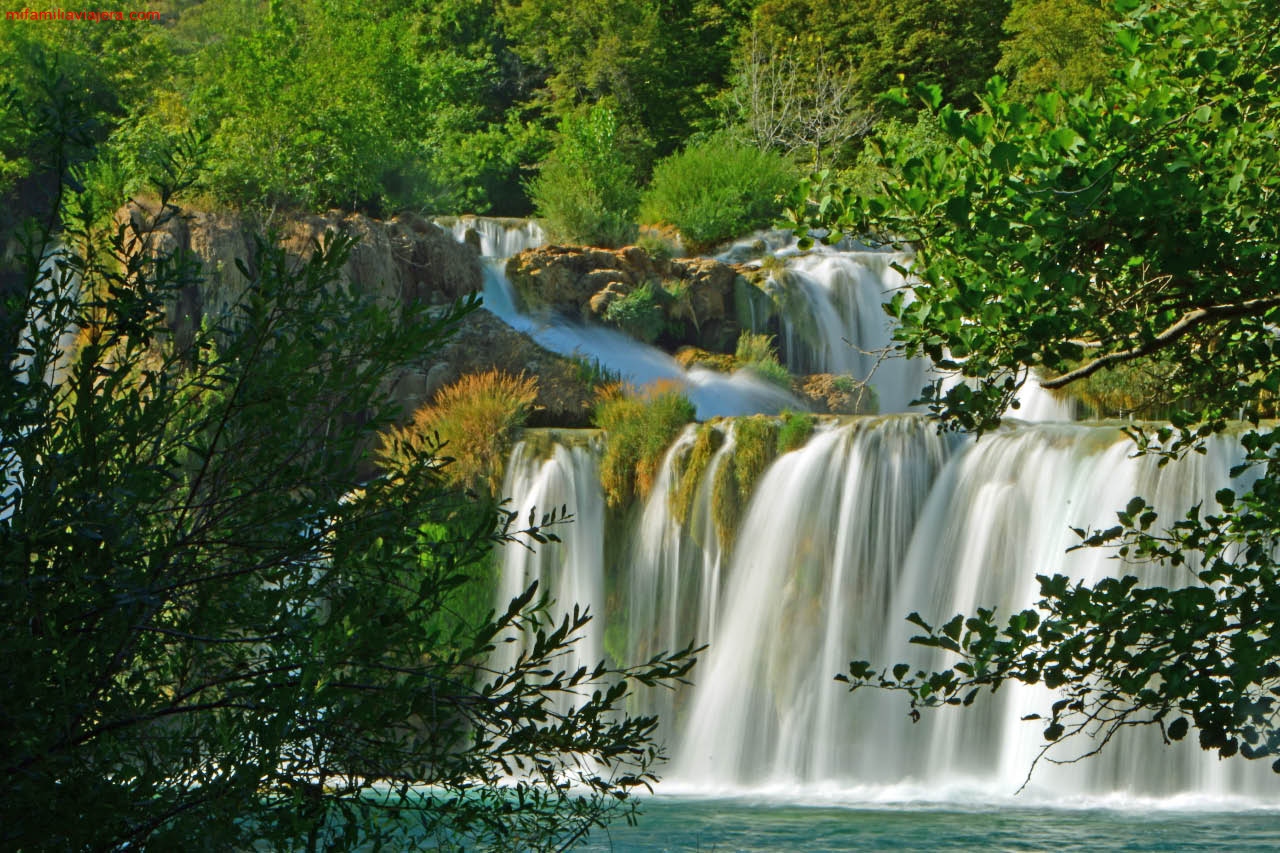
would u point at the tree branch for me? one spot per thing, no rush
(1184, 324)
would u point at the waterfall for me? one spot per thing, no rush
(52, 304)
(813, 567)
(870, 520)
(712, 394)
(828, 304)
(498, 238)
(573, 572)
(833, 321)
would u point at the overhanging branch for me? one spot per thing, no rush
(1182, 326)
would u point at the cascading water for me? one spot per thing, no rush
(713, 394)
(832, 321)
(870, 520)
(840, 539)
(828, 303)
(574, 572)
(498, 238)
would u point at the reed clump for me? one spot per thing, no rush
(755, 352)
(472, 423)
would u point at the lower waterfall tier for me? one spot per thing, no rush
(835, 544)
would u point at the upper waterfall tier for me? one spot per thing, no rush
(837, 542)
(825, 307)
(495, 237)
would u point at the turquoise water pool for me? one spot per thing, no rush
(728, 826)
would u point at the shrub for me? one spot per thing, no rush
(475, 420)
(717, 190)
(755, 353)
(586, 191)
(640, 313)
(659, 246)
(639, 431)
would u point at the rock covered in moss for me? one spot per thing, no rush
(828, 393)
(698, 306)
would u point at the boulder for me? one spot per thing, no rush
(581, 283)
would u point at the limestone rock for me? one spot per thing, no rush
(699, 301)
(400, 261)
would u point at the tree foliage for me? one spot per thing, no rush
(216, 636)
(586, 190)
(949, 44)
(1083, 232)
(658, 61)
(1056, 46)
(274, 142)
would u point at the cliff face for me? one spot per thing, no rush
(401, 261)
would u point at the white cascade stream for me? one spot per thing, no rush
(573, 570)
(870, 520)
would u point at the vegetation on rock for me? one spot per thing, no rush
(756, 353)
(709, 439)
(716, 190)
(640, 313)
(639, 429)
(794, 430)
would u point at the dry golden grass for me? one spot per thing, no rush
(475, 421)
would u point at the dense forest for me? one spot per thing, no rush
(479, 105)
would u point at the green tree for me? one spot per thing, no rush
(658, 61)
(1075, 235)
(215, 635)
(1056, 45)
(286, 128)
(951, 44)
(586, 190)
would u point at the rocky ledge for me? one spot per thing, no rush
(699, 300)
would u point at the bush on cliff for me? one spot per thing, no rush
(716, 190)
